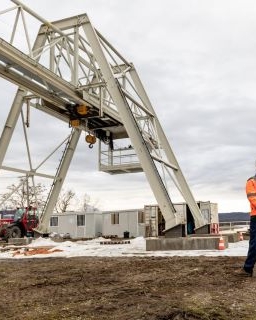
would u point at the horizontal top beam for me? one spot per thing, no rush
(29, 74)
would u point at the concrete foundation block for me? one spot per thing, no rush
(246, 236)
(175, 232)
(203, 230)
(232, 237)
(200, 243)
(20, 241)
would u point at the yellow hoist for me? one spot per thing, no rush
(79, 112)
(91, 139)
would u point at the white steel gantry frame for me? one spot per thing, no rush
(72, 64)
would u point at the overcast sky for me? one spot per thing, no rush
(197, 61)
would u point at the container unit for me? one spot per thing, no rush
(155, 224)
(154, 221)
(214, 218)
(120, 222)
(77, 224)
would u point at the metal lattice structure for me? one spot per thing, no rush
(74, 74)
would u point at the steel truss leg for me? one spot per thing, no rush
(183, 186)
(11, 123)
(133, 131)
(58, 182)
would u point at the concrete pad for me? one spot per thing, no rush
(200, 243)
(232, 237)
(19, 241)
(246, 236)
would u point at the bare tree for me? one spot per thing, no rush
(23, 194)
(86, 204)
(64, 201)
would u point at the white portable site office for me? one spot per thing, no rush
(146, 222)
(77, 224)
(116, 223)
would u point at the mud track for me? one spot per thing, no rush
(133, 288)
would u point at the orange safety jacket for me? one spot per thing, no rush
(251, 194)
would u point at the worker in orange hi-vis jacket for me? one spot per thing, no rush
(247, 269)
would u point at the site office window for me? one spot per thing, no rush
(141, 217)
(80, 220)
(54, 222)
(115, 218)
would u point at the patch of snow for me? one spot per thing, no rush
(136, 247)
(42, 242)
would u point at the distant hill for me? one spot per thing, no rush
(234, 216)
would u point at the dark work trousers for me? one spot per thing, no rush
(251, 255)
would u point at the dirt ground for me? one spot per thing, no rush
(173, 288)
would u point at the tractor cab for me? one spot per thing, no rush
(23, 223)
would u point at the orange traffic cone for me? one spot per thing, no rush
(241, 237)
(221, 243)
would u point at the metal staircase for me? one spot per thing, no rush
(70, 65)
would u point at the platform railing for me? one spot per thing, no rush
(232, 225)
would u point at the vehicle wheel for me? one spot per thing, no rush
(13, 232)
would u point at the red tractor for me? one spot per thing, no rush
(20, 224)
